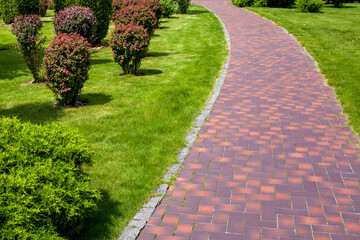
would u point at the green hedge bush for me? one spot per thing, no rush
(309, 5)
(8, 10)
(28, 7)
(44, 193)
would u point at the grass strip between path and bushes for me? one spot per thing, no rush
(332, 37)
(136, 124)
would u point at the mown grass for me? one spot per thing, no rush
(136, 124)
(332, 37)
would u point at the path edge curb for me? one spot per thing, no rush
(133, 229)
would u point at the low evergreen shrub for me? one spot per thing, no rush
(75, 19)
(28, 7)
(169, 7)
(309, 5)
(243, 3)
(43, 7)
(61, 4)
(8, 10)
(129, 44)
(29, 42)
(280, 3)
(338, 3)
(139, 15)
(66, 65)
(44, 193)
(183, 5)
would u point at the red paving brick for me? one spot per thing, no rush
(275, 159)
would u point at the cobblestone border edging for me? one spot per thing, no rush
(139, 221)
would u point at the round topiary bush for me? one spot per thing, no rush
(139, 15)
(75, 19)
(43, 7)
(29, 41)
(169, 7)
(309, 5)
(129, 44)
(183, 5)
(44, 193)
(66, 65)
(153, 5)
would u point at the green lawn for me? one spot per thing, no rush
(332, 37)
(136, 125)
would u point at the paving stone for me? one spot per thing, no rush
(270, 156)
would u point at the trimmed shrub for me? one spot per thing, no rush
(8, 10)
(139, 15)
(243, 3)
(28, 7)
(129, 44)
(309, 5)
(153, 5)
(66, 65)
(280, 3)
(43, 7)
(102, 10)
(338, 3)
(29, 41)
(169, 7)
(61, 4)
(44, 193)
(183, 5)
(75, 19)
(260, 3)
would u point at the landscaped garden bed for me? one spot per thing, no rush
(136, 124)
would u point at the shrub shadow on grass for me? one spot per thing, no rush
(34, 112)
(157, 54)
(195, 12)
(97, 227)
(148, 72)
(96, 98)
(100, 61)
(163, 27)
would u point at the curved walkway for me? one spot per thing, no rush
(274, 159)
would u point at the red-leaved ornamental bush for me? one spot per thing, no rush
(129, 44)
(29, 41)
(66, 65)
(153, 5)
(139, 15)
(75, 19)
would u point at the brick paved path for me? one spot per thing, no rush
(273, 161)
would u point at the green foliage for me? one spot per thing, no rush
(8, 10)
(280, 3)
(44, 194)
(260, 3)
(61, 4)
(102, 10)
(309, 5)
(242, 3)
(183, 5)
(338, 3)
(249, 3)
(28, 7)
(169, 7)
